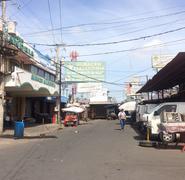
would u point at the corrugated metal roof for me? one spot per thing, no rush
(171, 75)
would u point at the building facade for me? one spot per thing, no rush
(27, 79)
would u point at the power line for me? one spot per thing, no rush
(133, 74)
(132, 49)
(127, 40)
(20, 6)
(117, 26)
(141, 29)
(51, 20)
(127, 21)
(113, 42)
(108, 23)
(60, 9)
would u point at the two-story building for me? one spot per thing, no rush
(29, 79)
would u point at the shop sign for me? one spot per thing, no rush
(42, 80)
(159, 61)
(19, 43)
(84, 71)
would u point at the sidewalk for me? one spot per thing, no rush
(34, 132)
(30, 133)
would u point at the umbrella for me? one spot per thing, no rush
(73, 109)
(128, 106)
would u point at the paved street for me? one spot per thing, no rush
(99, 150)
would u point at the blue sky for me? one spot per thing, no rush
(33, 16)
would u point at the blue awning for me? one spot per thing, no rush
(64, 99)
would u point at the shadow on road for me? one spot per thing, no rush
(42, 136)
(138, 138)
(118, 129)
(170, 146)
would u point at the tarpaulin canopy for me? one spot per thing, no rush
(128, 106)
(171, 75)
(73, 109)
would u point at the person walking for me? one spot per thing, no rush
(122, 118)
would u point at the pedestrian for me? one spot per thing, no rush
(122, 118)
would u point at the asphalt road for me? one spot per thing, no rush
(98, 151)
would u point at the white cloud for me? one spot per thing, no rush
(154, 42)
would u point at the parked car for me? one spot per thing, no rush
(171, 126)
(154, 119)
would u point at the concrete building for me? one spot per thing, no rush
(27, 79)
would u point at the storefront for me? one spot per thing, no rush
(29, 80)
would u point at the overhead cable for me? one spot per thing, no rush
(104, 23)
(131, 49)
(113, 42)
(49, 7)
(60, 9)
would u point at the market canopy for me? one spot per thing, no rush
(128, 106)
(171, 75)
(73, 109)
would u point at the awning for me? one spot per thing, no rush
(21, 56)
(73, 109)
(171, 75)
(128, 106)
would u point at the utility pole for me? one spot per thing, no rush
(147, 92)
(2, 67)
(59, 80)
(60, 83)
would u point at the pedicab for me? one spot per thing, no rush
(71, 117)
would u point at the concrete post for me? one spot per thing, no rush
(2, 70)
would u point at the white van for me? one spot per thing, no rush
(141, 111)
(153, 116)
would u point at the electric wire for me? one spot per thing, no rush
(26, 23)
(49, 7)
(111, 28)
(132, 49)
(20, 7)
(128, 40)
(127, 21)
(133, 74)
(141, 29)
(116, 22)
(60, 9)
(113, 42)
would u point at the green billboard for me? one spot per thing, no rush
(84, 71)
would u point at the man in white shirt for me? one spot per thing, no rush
(122, 118)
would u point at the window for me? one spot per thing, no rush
(167, 108)
(52, 78)
(41, 72)
(47, 75)
(12, 66)
(34, 69)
